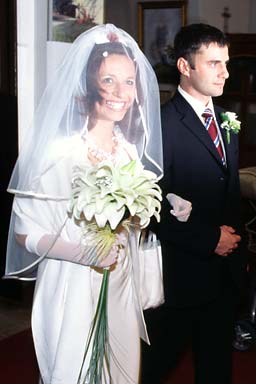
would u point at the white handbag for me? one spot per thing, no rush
(151, 271)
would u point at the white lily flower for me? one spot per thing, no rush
(106, 193)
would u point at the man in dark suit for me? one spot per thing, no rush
(202, 259)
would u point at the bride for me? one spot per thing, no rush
(103, 104)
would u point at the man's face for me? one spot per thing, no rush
(207, 73)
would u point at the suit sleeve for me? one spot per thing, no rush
(196, 235)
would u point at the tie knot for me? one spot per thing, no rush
(207, 113)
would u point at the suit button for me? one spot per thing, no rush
(222, 179)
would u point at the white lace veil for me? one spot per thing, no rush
(63, 111)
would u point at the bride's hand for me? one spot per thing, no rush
(111, 258)
(181, 207)
(119, 245)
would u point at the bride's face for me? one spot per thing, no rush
(116, 81)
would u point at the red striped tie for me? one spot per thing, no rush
(210, 125)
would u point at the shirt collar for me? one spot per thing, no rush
(197, 105)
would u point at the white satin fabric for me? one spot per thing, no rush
(66, 294)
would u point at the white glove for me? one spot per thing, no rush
(181, 208)
(72, 252)
(118, 250)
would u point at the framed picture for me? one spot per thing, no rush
(158, 22)
(69, 18)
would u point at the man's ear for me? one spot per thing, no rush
(183, 66)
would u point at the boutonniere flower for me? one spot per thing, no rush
(230, 123)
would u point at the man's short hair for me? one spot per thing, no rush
(191, 37)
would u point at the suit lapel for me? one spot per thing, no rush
(192, 122)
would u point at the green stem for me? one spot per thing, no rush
(228, 137)
(100, 340)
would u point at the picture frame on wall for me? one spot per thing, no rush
(158, 23)
(67, 19)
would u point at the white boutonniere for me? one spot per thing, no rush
(230, 123)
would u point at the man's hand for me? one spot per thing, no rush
(228, 241)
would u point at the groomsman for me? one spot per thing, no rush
(202, 259)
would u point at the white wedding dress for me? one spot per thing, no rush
(66, 294)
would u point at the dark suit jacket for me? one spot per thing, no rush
(193, 273)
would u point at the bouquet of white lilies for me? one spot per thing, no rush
(105, 196)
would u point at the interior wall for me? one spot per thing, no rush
(31, 59)
(123, 13)
(211, 12)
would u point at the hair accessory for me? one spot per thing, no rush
(112, 37)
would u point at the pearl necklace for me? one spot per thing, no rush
(99, 153)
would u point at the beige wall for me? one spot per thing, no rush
(123, 13)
